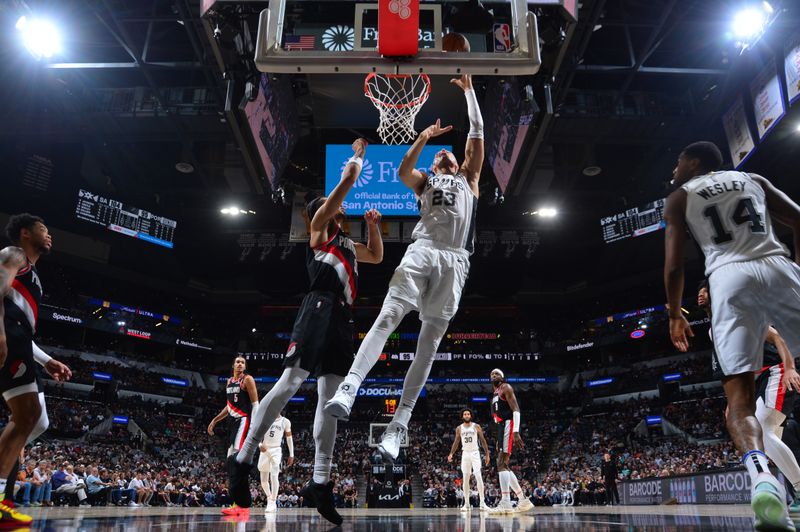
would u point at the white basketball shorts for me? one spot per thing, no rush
(270, 459)
(746, 298)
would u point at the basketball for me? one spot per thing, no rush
(455, 42)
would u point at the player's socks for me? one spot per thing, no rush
(505, 488)
(514, 484)
(324, 429)
(756, 463)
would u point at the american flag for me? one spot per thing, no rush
(299, 42)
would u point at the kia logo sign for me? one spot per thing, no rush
(638, 333)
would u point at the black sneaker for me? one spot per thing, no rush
(320, 496)
(239, 482)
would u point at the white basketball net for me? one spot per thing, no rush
(398, 98)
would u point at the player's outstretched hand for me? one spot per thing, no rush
(210, 429)
(58, 370)
(360, 147)
(373, 217)
(436, 129)
(791, 380)
(450, 458)
(518, 440)
(290, 461)
(464, 82)
(679, 329)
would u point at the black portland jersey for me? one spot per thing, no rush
(332, 267)
(238, 398)
(23, 299)
(500, 409)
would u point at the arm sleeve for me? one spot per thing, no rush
(516, 418)
(40, 356)
(290, 445)
(474, 112)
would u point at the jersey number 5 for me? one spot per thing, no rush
(272, 434)
(745, 212)
(444, 198)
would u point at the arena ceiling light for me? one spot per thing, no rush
(235, 211)
(39, 36)
(546, 212)
(749, 22)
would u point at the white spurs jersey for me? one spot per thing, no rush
(447, 208)
(469, 437)
(727, 215)
(274, 435)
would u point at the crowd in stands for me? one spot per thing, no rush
(641, 377)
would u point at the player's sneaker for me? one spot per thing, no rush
(524, 505)
(767, 503)
(320, 496)
(483, 508)
(465, 508)
(235, 510)
(10, 518)
(272, 507)
(341, 403)
(389, 447)
(503, 507)
(794, 508)
(238, 482)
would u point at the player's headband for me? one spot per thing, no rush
(502, 375)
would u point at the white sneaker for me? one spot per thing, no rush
(465, 508)
(341, 403)
(524, 505)
(389, 447)
(483, 508)
(133, 505)
(272, 507)
(503, 507)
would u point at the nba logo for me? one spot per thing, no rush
(502, 37)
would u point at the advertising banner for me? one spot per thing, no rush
(719, 487)
(792, 67)
(740, 139)
(767, 99)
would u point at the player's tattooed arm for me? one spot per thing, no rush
(674, 244)
(473, 151)
(456, 443)
(12, 259)
(783, 209)
(409, 175)
(372, 252)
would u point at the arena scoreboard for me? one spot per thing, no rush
(124, 219)
(634, 222)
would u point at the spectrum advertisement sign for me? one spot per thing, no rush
(378, 186)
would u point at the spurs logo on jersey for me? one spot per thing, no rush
(727, 215)
(447, 208)
(238, 398)
(24, 297)
(469, 437)
(332, 267)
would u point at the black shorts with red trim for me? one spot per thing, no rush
(238, 427)
(18, 374)
(505, 436)
(769, 387)
(322, 338)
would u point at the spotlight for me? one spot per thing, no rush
(547, 212)
(254, 330)
(749, 22)
(121, 323)
(235, 211)
(798, 128)
(39, 36)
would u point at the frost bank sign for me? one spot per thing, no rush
(378, 186)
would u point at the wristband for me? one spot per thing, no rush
(516, 421)
(356, 160)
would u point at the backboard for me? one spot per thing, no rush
(294, 37)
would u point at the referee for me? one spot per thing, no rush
(609, 470)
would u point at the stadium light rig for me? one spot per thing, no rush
(235, 211)
(544, 212)
(39, 36)
(749, 24)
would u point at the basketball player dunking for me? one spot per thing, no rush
(467, 435)
(322, 338)
(242, 403)
(753, 285)
(431, 276)
(777, 384)
(506, 415)
(269, 462)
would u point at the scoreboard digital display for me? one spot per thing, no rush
(124, 219)
(634, 222)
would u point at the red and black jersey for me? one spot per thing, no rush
(332, 267)
(500, 409)
(238, 398)
(23, 300)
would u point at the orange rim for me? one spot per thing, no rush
(416, 101)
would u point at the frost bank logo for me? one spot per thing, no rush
(366, 174)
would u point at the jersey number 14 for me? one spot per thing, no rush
(745, 212)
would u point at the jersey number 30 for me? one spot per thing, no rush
(444, 198)
(745, 212)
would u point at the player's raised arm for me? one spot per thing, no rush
(456, 443)
(783, 209)
(409, 175)
(12, 259)
(333, 202)
(674, 242)
(473, 153)
(372, 252)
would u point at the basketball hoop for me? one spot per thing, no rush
(398, 98)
